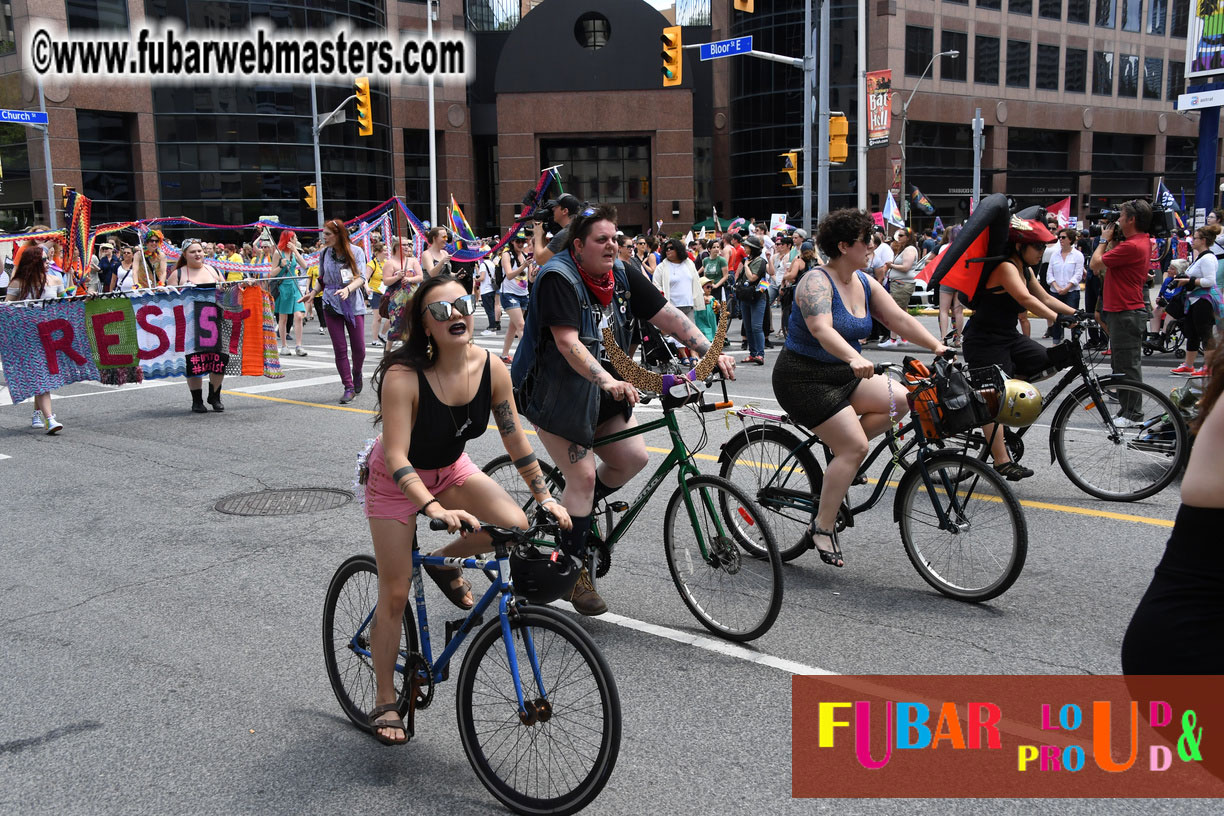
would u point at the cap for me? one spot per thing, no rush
(569, 202)
(1028, 231)
(800, 233)
(754, 242)
(807, 246)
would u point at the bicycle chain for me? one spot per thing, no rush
(419, 677)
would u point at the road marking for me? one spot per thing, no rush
(1036, 505)
(126, 389)
(5, 456)
(286, 384)
(709, 644)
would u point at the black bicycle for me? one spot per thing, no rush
(1116, 439)
(962, 527)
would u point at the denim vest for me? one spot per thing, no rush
(548, 391)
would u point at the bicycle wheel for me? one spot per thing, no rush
(348, 613)
(503, 471)
(559, 759)
(788, 487)
(735, 587)
(984, 553)
(1120, 464)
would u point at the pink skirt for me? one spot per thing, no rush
(383, 498)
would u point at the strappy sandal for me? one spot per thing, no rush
(832, 557)
(1013, 471)
(395, 722)
(443, 576)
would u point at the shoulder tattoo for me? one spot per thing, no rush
(504, 416)
(814, 295)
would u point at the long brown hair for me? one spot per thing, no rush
(343, 247)
(31, 273)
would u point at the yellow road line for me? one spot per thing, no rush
(1036, 505)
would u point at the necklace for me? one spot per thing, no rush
(450, 409)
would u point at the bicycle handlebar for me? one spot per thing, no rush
(498, 534)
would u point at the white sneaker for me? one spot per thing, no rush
(37, 421)
(322, 330)
(299, 351)
(284, 351)
(1122, 422)
(487, 333)
(54, 426)
(902, 343)
(887, 343)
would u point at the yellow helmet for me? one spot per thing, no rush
(1020, 405)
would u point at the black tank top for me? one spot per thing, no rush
(996, 312)
(440, 430)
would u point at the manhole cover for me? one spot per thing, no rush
(284, 502)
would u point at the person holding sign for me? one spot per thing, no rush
(190, 270)
(32, 280)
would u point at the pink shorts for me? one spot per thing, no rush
(384, 500)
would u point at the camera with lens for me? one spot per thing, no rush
(1105, 217)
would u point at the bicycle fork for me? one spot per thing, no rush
(530, 711)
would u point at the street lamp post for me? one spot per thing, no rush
(905, 121)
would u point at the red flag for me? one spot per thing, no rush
(965, 273)
(1061, 209)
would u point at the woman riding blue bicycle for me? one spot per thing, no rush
(435, 393)
(823, 381)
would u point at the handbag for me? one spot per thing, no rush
(746, 292)
(384, 305)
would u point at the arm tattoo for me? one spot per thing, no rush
(576, 452)
(406, 470)
(686, 332)
(595, 371)
(525, 461)
(813, 296)
(504, 414)
(538, 486)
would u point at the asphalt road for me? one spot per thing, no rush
(164, 657)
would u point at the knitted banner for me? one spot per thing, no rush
(120, 339)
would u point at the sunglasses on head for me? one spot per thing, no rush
(443, 311)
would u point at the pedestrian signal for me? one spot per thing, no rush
(673, 59)
(790, 169)
(838, 129)
(311, 201)
(744, 5)
(365, 121)
(64, 197)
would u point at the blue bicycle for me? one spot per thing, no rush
(539, 713)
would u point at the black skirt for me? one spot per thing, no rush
(812, 391)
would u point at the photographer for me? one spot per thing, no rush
(563, 209)
(1122, 260)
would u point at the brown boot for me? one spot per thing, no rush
(585, 599)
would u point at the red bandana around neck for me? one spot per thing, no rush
(600, 288)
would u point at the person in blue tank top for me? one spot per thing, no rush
(823, 381)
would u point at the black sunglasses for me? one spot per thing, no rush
(443, 311)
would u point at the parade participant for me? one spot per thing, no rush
(32, 280)
(1203, 302)
(1179, 624)
(108, 262)
(950, 308)
(564, 209)
(190, 270)
(677, 278)
(374, 285)
(515, 266)
(151, 262)
(287, 263)
(803, 263)
(488, 270)
(823, 381)
(901, 274)
(752, 300)
(1122, 259)
(992, 337)
(563, 384)
(314, 305)
(435, 383)
(124, 278)
(714, 270)
(392, 279)
(340, 276)
(435, 260)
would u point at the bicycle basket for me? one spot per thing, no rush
(953, 401)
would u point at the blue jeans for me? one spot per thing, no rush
(754, 318)
(488, 300)
(1072, 299)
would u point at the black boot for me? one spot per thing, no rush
(585, 599)
(197, 401)
(214, 398)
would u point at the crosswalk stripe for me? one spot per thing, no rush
(284, 385)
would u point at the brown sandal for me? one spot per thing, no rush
(395, 722)
(443, 576)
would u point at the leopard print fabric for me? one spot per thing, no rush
(645, 380)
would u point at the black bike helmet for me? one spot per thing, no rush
(542, 576)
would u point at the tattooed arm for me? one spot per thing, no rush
(588, 367)
(671, 320)
(814, 300)
(516, 444)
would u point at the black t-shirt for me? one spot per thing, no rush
(558, 304)
(465, 272)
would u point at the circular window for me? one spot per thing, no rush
(593, 30)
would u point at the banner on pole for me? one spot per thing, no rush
(1205, 42)
(896, 182)
(879, 107)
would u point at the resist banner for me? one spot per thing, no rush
(879, 107)
(118, 340)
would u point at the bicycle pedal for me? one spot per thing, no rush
(618, 506)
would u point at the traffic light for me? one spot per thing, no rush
(838, 128)
(744, 5)
(672, 56)
(365, 120)
(790, 168)
(64, 197)
(311, 201)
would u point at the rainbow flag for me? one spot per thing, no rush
(460, 224)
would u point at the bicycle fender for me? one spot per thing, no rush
(1060, 415)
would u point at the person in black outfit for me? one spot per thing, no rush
(1178, 627)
